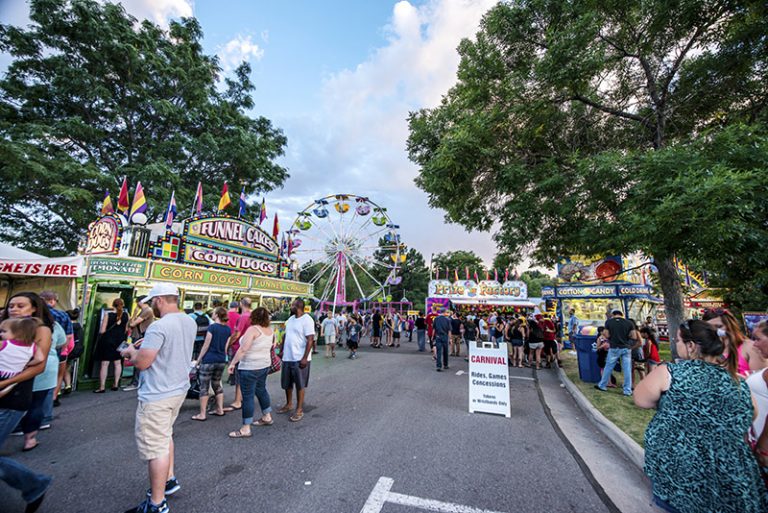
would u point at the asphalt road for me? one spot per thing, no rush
(387, 414)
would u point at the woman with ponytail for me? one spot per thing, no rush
(696, 455)
(113, 332)
(749, 358)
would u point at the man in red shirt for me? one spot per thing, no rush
(550, 336)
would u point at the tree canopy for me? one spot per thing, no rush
(93, 96)
(584, 128)
(458, 261)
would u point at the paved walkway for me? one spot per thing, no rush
(385, 420)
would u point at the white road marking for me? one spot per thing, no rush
(381, 494)
(522, 377)
(460, 373)
(378, 496)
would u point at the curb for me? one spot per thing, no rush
(621, 440)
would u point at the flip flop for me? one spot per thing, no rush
(228, 409)
(27, 449)
(197, 418)
(285, 409)
(239, 434)
(263, 423)
(297, 417)
(217, 414)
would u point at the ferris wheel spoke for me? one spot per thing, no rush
(325, 232)
(377, 282)
(385, 266)
(320, 243)
(328, 262)
(351, 223)
(362, 227)
(354, 276)
(309, 250)
(328, 284)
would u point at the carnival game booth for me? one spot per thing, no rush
(210, 258)
(468, 296)
(22, 271)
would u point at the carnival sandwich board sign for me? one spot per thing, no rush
(488, 379)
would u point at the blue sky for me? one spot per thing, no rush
(339, 77)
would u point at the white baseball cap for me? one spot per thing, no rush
(161, 289)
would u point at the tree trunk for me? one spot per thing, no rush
(673, 296)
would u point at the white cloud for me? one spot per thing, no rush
(159, 11)
(241, 48)
(355, 142)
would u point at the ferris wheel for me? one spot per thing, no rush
(334, 240)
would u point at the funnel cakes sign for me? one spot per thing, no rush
(221, 242)
(236, 234)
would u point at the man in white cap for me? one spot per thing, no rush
(163, 359)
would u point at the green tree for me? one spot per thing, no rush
(413, 271)
(572, 124)
(458, 260)
(415, 276)
(506, 260)
(535, 280)
(93, 96)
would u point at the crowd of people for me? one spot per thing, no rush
(706, 447)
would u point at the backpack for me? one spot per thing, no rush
(202, 326)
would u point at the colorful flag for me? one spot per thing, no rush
(455, 275)
(106, 205)
(224, 202)
(290, 246)
(466, 269)
(171, 213)
(122, 200)
(506, 274)
(476, 276)
(275, 228)
(495, 275)
(139, 201)
(262, 211)
(197, 206)
(487, 276)
(243, 206)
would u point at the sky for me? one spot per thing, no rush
(339, 78)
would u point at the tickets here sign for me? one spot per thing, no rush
(489, 380)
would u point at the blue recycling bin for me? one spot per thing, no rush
(586, 353)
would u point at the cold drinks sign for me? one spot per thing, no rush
(488, 380)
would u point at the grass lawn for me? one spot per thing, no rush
(618, 409)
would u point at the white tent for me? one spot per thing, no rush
(22, 270)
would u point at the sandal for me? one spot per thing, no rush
(217, 414)
(240, 434)
(100, 391)
(199, 418)
(27, 449)
(297, 416)
(230, 408)
(261, 422)
(285, 409)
